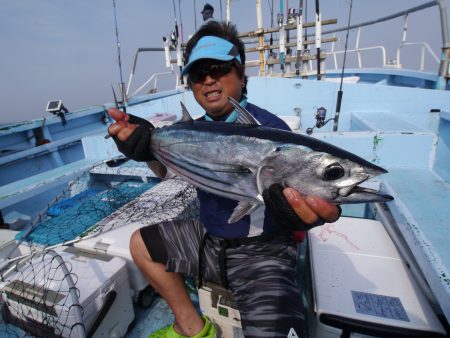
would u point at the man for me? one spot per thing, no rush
(255, 257)
(207, 12)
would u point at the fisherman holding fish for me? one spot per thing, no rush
(256, 256)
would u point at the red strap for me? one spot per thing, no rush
(298, 236)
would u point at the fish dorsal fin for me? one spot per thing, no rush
(185, 116)
(241, 210)
(244, 116)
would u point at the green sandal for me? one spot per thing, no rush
(208, 331)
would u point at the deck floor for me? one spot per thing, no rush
(155, 317)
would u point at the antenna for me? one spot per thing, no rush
(121, 84)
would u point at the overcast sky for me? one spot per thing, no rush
(66, 49)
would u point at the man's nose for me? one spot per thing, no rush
(209, 79)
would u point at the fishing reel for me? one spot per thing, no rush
(321, 115)
(291, 15)
(173, 39)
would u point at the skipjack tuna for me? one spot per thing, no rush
(239, 160)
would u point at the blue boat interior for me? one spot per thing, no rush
(58, 182)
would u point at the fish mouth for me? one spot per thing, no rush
(357, 194)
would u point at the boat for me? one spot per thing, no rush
(69, 201)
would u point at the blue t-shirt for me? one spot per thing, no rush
(216, 210)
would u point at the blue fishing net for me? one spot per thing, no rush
(61, 206)
(70, 217)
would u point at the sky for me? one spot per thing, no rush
(67, 49)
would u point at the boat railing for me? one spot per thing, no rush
(153, 78)
(358, 52)
(423, 47)
(425, 50)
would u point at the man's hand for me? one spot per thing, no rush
(293, 212)
(131, 134)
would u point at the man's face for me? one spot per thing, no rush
(212, 82)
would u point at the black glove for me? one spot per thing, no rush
(281, 211)
(137, 146)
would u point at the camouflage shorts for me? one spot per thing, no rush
(261, 275)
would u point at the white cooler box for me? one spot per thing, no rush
(218, 304)
(361, 285)
(38, 296)
(116, 243)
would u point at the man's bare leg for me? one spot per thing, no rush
(170, 286)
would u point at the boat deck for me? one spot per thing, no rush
(418, 181)
(421, 200)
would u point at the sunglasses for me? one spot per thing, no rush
(201, 70)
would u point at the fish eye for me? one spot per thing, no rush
(333, 172)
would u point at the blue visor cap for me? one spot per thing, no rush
(212, 47)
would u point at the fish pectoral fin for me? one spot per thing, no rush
(241, 210)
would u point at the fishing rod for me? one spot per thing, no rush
(175, 18)
(305, 45)
(195, 15)
(271, 21)
(181, 21)
(121, 84)
(322, 112)
(318, 38)
(299, 19)
(340, 92)
(177, 42)
(290, 19)
(281, 37)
